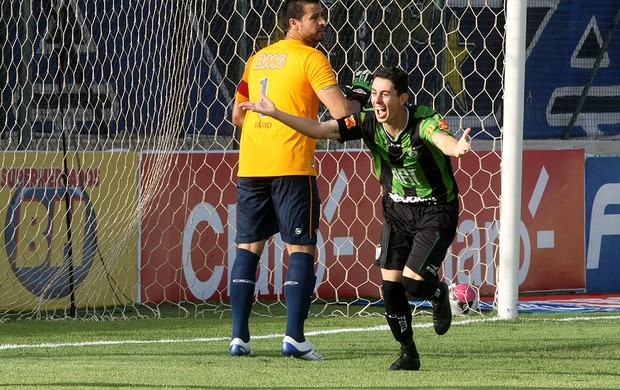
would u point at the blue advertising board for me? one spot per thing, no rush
(565, 40)
(602, 197)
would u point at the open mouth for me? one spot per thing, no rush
(380, 112)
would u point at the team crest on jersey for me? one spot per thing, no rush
(429, 130)
(350, 122)
(412, 154)
(443, 125)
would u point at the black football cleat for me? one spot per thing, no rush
(406, 362)
(442, 313)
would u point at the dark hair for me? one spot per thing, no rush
(396, 75)
(293, 9)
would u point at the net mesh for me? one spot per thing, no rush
(119, 157)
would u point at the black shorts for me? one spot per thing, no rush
(289, 205)
(417, 236)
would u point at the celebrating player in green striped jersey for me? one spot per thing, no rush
(411, 148)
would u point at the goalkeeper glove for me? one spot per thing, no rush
(361, 87)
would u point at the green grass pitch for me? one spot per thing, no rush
(536, 351)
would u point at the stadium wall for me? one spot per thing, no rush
(187, 243)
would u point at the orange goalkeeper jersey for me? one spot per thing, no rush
(289, 72)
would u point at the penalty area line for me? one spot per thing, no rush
(4, 347)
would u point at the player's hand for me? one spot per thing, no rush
(361, 87)
(264, 106)
(463, 146)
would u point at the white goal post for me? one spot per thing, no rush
(119, 156)
(510, 210)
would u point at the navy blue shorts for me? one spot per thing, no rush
(289, 205)
(417, 236)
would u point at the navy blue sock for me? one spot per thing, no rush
(298, 289)
(241, 291)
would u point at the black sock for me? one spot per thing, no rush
(398, 315)
(423, 289)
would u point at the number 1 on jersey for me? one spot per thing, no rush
(263, 87)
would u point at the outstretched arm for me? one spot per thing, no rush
(450, 146)
(306, 126)
(336, 103)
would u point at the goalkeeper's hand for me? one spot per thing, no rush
(361, 87)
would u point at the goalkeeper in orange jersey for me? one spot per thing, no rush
(276, 187)
(411, 148)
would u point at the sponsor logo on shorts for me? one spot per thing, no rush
(433, 269)
(412, 199)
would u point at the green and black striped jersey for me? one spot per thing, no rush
(409, 167)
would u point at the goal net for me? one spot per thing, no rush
(119, 158)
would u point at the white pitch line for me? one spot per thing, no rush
(271, 336)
